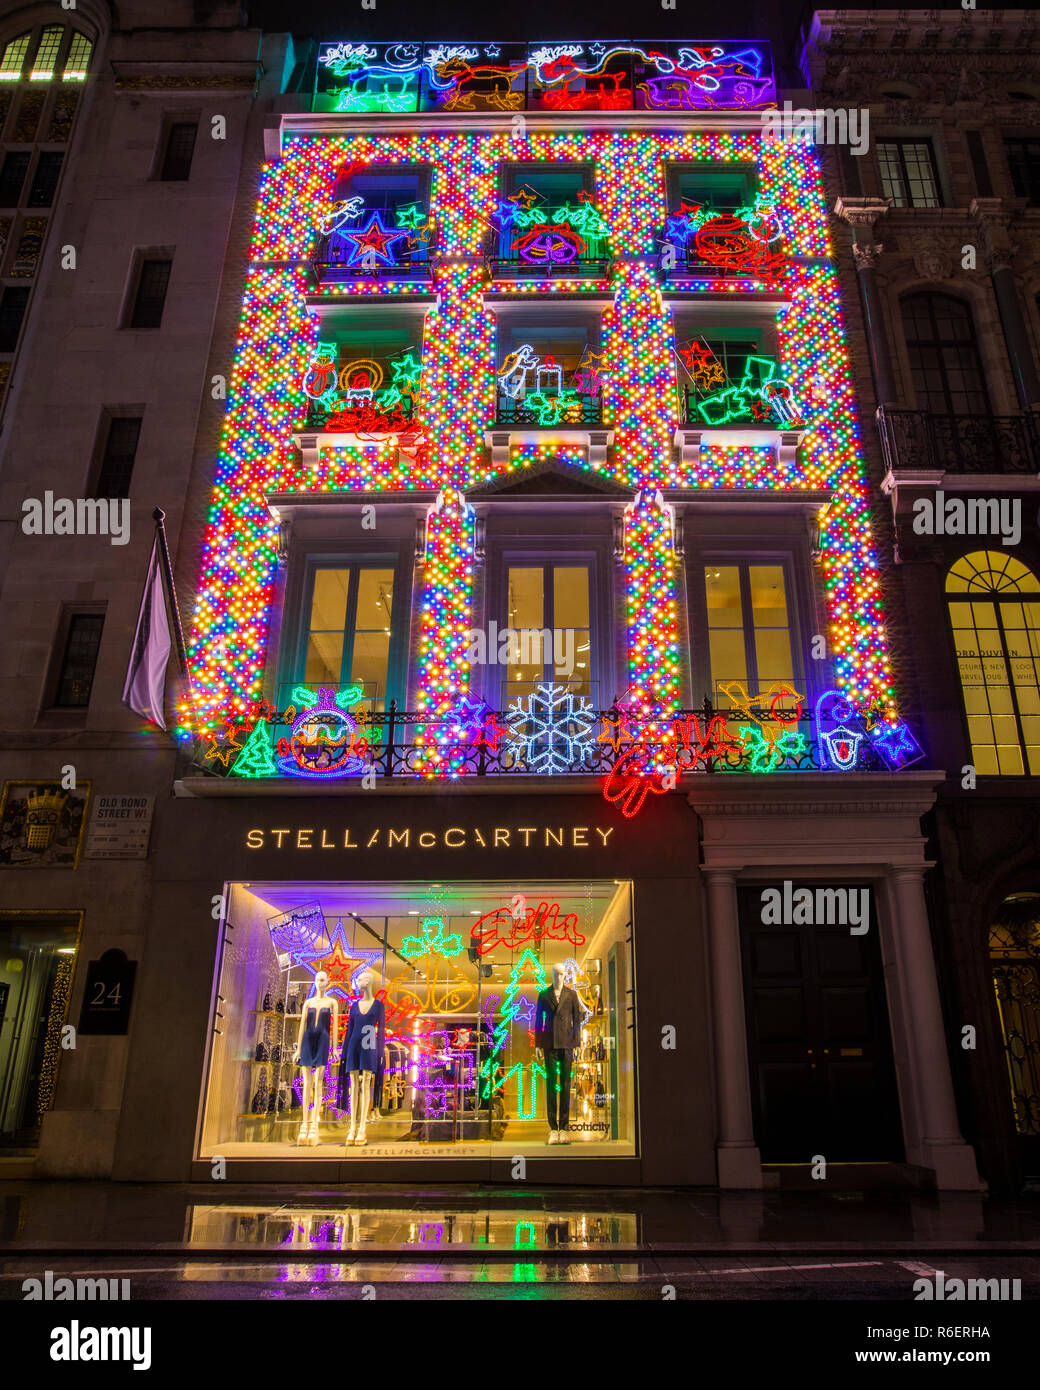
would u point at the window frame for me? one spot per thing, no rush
(971, 596)
(791, 554)
(141, 258)
(527, 550)
(1033, 197)
(172, 121)
(292, 658)
(50, 708)
(900, 141)
(941, 344)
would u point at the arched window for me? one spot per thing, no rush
(994, 603)
(944, 358)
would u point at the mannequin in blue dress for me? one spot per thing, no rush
(317, 1029)
(362, 1059)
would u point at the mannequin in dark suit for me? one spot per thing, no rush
(557, 1032)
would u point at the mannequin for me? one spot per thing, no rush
(317, 1027)
(557, 1032)
(362, 1058)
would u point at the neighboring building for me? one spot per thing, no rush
(545, 343)
(945, 242)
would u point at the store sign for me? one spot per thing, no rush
(120, 827)
(107, 997)
(487, 837)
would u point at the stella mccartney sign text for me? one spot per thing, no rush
(450, 837)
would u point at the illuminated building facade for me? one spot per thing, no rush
(536, 636)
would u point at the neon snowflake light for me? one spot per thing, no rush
(553, 727)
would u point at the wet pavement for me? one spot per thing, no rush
(214, 1242)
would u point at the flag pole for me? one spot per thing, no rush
(159, 517)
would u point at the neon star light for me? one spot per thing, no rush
(372, 240)
(229, 646)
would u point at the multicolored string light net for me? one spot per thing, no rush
(456, 404)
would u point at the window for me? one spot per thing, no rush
(944, 359)
(12, 177)
(452, 1065)
(78, 61)
(76, 674)
(995, 619)
(152, 283)
(117, 462)
(723, 187)
(180, 146)
(47, 54)
(908, 173)
(12, 311)
(14, 59)
(1023, 157)
(745, 626)
(980, 168)
(548, 608)
(350, 617)
(549, 374)
(45, 180)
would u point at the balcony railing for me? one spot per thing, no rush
(916, 439)
(562, 739)
(336, 260)
(771, 406)
(359, 417)
(548, 411)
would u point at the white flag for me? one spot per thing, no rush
(146, 674)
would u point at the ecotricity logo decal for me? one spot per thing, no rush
(817, 907)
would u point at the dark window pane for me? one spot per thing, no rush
(12, 311)
(944, 358)
(117, 464)
(45, 181)
(151, 294)
(12, 176)
(976, 150)
(77, 668)
(908, 173)
(180, 146)
(1023, 158)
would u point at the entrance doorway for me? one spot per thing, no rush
(1014, 949)
(819, 1047)
(37, 962)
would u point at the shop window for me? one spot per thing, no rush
(45, 180)
(1023, 157)
(994, 604)
(1014, 949)
(743, 626)
(944, 357)
(150, 296)
(13, 61)
(117, 461)
(463, 1052)
(37, 961)
(908, 177)
(548, 607)
(180, 148)
(350, 621)
(79, 660)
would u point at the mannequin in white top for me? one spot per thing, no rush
(313, 1042)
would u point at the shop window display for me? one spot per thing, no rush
(462, 1019)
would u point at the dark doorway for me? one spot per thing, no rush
(1014, 948)
(819, 1047)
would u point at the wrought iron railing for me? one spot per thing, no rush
(335, 260)
(542, 412)
(958, 443)
(358, 417)
(571, 740)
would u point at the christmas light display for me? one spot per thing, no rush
(278, 339)
(527, 971)
(502, 927)
(438, 943)
(605, 75)
(552, 726)
(324, 739)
